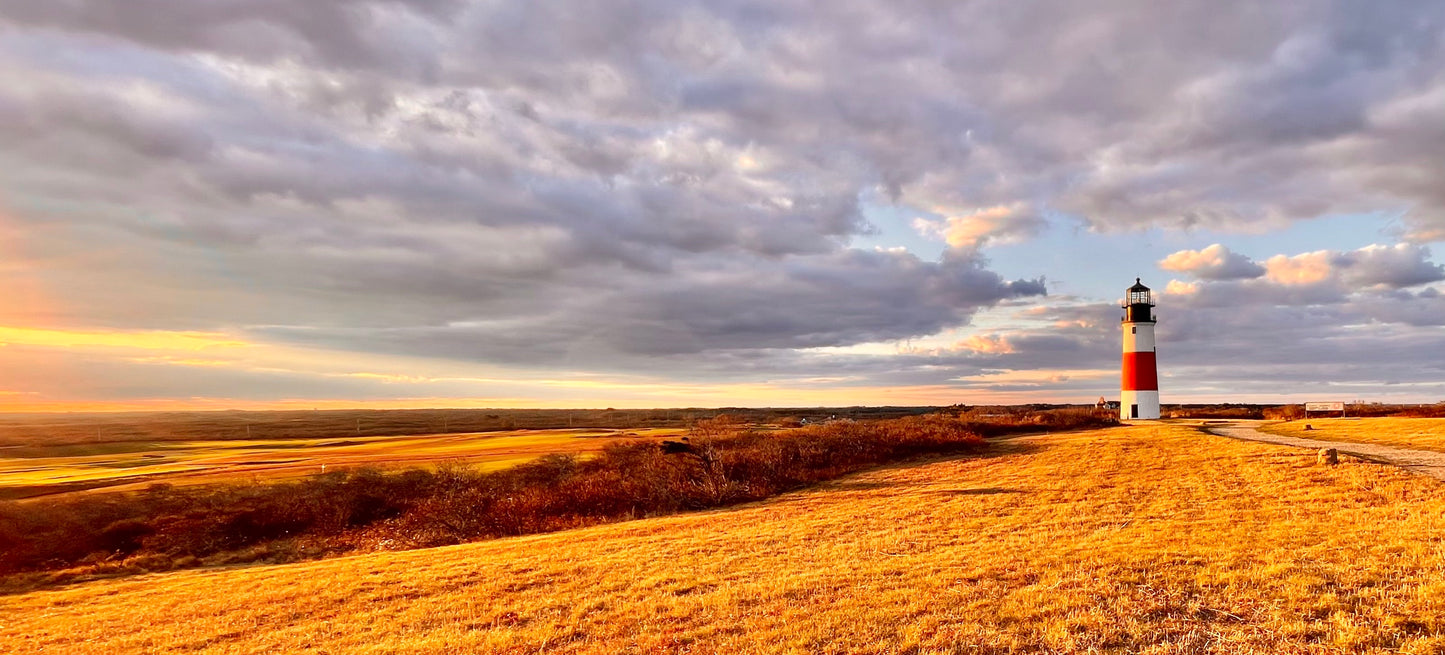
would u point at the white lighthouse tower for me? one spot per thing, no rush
(1139, 388)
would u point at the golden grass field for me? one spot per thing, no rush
(1420, 433)
(1147, 539)
(27, 471)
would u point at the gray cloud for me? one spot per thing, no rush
(795, 302)
(1402, 265)
(1126, 114)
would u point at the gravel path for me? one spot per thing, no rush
(1416, 461)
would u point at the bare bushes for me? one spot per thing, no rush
(1436, 410)
(1284, 412)
(167, 524)
(1223, 411)
(723, 462)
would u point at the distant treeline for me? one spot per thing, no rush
(1288, 412)
(724, 461)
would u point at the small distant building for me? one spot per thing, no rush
(1139, 384)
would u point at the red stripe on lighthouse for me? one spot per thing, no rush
(1140, 372)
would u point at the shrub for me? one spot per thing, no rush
(1436, 410)
(717, 427)
(1284, 412)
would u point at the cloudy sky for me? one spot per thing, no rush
(270, 203)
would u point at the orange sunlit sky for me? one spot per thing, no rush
(662, 204)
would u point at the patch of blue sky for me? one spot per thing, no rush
(893, 225)
(1099, 265)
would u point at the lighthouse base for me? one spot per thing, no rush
(1138, 405)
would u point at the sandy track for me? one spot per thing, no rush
(1425, 462)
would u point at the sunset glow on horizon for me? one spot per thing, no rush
(219, 351)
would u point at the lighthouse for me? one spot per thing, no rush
(1139, 388)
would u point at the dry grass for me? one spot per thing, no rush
(1143, 539)
(1420, 433)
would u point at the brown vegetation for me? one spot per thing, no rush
(721, 463)
(1358, 410)
(1436, 410)
(1284, 412)
(1222, 410)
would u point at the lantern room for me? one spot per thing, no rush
(1137, 304)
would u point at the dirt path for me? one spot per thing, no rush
(1416, 461)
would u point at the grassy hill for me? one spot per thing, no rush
(1154, 539)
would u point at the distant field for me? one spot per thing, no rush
(44, 454)
(1421, 433)
(110, 428)
(28, 471)
(1148, 539)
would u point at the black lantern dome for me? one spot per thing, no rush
(1137, 304)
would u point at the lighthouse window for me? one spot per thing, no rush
(1133, 330)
